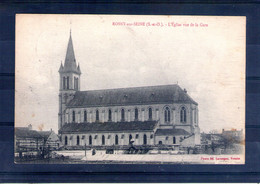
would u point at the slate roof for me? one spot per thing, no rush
(131, 96)
(45, 134)
(108, 126)
(171, 132)
(26, 133)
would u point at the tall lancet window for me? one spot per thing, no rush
(145, 139)
(78, 140)
(109, 115)
(174, 140)
(66, 140)
(150, 113)
(167, 115)
(116, 140)
(90, 140)
(73, 116)
(136, 114)
(103, 140)
(97, 115)
(76, 83)
(183, 115)
(85, 115)
(68, 83)
(123, 115)
(64, 83)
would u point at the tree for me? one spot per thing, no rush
(214, 131)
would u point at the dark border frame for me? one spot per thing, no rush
(10, 172)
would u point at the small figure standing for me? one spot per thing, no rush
(93, 152)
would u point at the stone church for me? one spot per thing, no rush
(152, 115)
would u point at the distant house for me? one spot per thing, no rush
(28, 140)
(225, 137)
(233, 135)
(50, 138)
(208, 139)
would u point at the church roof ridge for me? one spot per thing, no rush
(135, 87)
(131, 96)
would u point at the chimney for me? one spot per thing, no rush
(30, 127)
(185, 91)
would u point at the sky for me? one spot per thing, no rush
(206, 57)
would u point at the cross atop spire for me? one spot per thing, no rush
(70, 28)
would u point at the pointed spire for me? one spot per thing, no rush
(70, 60)
(61, 67)
(79, 69)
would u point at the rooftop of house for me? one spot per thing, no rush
(26, 132)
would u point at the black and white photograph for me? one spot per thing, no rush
(131, 89)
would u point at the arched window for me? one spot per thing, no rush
(183, 115)
(130, 138)
(78, 140)
(136, 114)
(116, 140)
(109, 115)
(66, 140)
(150, 113)
(73, 116)
(76, 83)
(123, 115)
(167, 115)
(68, 83)
(97, 115)
(90, 140)
(145, 139)
(64, 83)
(195, 116)
(174, 140)
(103, 140)
(85, 115)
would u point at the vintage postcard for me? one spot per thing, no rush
(130, 89)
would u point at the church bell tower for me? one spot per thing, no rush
(69, 81)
